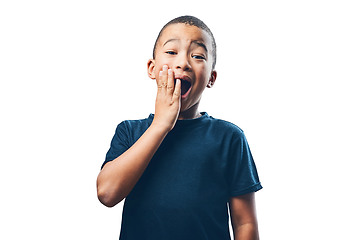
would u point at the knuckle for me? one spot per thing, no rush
(162, 85)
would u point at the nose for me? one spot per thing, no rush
(182, 62)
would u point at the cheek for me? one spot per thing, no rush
(203, 74)
(158, 68)
(160, 63)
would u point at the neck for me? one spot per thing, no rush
(190, 113)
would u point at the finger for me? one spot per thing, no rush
(163, 77)
(170, 81)
(162, 83)
(158, 79)
(177, 90)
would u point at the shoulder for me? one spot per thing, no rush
(133, 126)
(226, 126)
(134, 123)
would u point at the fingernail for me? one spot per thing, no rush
(169, 71)
(165, 67)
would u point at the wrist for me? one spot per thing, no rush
(160, 128)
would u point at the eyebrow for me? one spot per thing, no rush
(170, 40)
(199, 43)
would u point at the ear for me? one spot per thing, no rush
(212, 79)
(151, 66)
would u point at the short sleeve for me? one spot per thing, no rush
(243, 173)
(119, 143)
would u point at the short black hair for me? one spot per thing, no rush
(193, 21)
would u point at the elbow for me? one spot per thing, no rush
(108, 197)
(105, 199)
(108, 192)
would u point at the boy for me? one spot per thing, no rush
(179, 168)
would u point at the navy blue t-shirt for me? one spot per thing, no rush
(184, 191)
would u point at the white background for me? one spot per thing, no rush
(290, 74)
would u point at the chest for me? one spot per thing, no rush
(186, 170)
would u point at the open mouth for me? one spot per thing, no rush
(185, 85)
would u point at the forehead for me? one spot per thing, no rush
(185, 32)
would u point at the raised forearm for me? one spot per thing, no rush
(118, 177)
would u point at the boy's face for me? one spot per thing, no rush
(187, 50)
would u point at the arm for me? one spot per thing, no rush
(118, 177)
(243, 217)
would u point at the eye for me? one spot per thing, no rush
(171, 52)
(200, 57)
